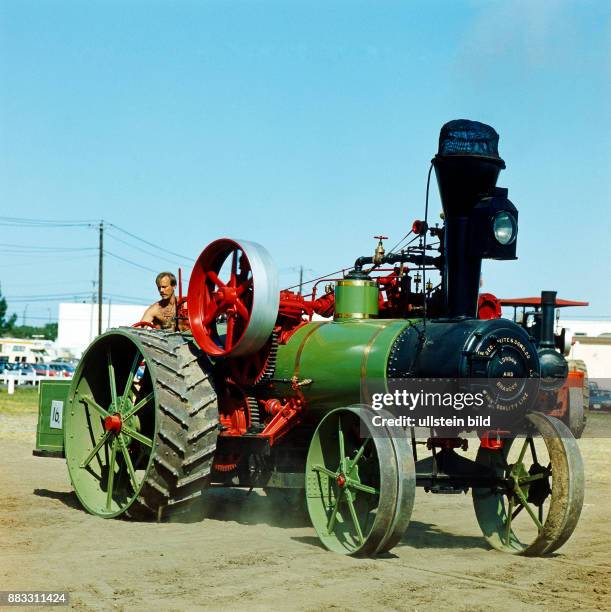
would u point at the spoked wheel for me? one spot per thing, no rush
(237, 284)
(537, 503)
(578, 398)
(358, 498)
(141, 428)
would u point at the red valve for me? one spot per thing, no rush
(488, 307)
(419, 227)
(495, 442)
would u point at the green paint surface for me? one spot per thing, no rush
(338, 357)
(356, 299)
(52, 406)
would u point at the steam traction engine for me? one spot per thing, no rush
(269, 389)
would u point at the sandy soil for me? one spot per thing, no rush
(247, 557)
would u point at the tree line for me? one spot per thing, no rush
(8, 325)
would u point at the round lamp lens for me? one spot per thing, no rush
(504, 227)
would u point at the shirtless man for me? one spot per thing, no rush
(162, 314)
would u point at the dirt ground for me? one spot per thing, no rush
(248, 557)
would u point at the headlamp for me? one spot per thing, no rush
(504, 227)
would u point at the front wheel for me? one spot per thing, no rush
(360, 483)
(535, 505)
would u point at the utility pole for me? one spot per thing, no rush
(300, 279)
(100, 277)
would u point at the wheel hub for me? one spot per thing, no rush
(517, 473)
(113, 423)
(228, 295)
(341, 481)
(540, 489)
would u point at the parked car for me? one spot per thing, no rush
(24, 372)
(60, 369)
(600, 399)
(11, 368)
(42, 369)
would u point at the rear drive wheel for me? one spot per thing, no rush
(141, 428)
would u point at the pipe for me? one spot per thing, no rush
(548, 306)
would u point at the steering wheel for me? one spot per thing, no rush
(144, 324)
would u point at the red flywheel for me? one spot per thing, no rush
(233, 298)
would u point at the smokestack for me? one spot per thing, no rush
(467, 167)
(548, 307)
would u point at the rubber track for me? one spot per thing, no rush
(181, 462)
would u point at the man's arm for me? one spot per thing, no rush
(149, 314)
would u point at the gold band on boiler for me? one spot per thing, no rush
(356, 283)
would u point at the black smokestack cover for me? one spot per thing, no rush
(464, 137)
(467, 167)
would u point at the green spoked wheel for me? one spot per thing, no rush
(141, 426)
(536, 505)
(358, 496)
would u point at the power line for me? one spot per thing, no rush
(36, 260)
(47, 298)
(132, 263)
(23, 222)
(125, 297)
(33, 249)
(91, 223)
(46, 295)
(313, 280)
(152, 244)
(133, 246)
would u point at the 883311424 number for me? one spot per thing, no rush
(34, 598)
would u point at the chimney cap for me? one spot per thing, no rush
(464, 137)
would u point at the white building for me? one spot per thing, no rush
(25, 350)
(78, 323)
(592, 344)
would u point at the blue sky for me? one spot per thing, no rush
(305, 126)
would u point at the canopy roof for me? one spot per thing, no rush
(536, 301)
